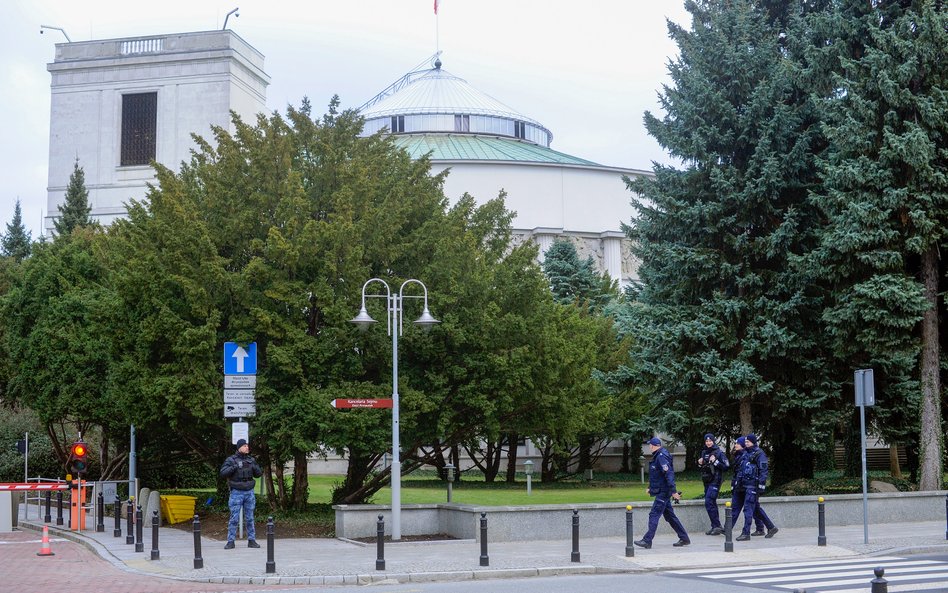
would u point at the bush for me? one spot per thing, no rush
(42, 460)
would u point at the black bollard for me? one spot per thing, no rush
(821, 516)
(129, 524)
(574, 556)
(380, 544)
(139, 544)
(271, 564)
(155, 554)
(100, 513)
(728, 528)
(49, 498)
(485, 559)
(629, 535)
(879, 584)
(117, 532)
(198, 561)
(59, 507)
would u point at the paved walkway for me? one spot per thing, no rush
(334, 561)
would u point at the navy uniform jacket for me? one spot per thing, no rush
(713, 469)
(661, 473)
(754, 468)
(737, 463)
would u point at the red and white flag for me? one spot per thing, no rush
(436, 6)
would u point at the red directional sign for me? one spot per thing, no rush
(340, 404)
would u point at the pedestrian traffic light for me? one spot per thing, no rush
(21, 446)
(79, 458)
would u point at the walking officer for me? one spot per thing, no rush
(737, 488)
(661, 485)
(754, 471)
(712, 463)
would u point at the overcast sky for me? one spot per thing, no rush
(585, 70)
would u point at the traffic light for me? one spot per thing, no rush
(79, 458)
(21, 446)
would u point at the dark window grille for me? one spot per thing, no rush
(520, 130)
(139, 127)
(462, 123)
(398, 123)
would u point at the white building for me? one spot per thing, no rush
(118, 104)
(490, 147)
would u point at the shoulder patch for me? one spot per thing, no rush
(665, 467)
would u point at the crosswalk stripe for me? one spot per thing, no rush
(942, 574)
(936, 586)
(852, 568)
(837, 562)
(842, 574)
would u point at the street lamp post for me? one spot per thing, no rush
(528, 469)
(394, 314)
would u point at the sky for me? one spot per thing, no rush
(587, 71)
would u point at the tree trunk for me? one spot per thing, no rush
(931, 435)
(512, 439)
(747, 423)
(626, 468)
(789, 461)
(894, 468)
(300, 481)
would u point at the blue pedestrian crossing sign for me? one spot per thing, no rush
(239, 360)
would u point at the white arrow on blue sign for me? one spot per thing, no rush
(239, 360)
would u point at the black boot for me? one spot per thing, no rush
(642, 543)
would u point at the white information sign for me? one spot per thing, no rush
(240, 430)
(240, 381)
(239, 396)
(239, 410)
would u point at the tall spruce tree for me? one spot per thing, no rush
(886, 199)
(724, 313)
(75, 209)
(16, 241)
(573, 280)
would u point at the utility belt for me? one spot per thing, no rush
(241, 484)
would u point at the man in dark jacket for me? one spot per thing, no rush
(240, 469)
(737, 489)
(661, 485)
(754, 473)
(712, 463)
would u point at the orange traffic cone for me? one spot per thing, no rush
(44, 548)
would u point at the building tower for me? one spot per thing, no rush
(118, 104)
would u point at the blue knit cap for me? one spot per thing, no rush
(752, 438)
(655, 441)
(709, 437)
(741, 441)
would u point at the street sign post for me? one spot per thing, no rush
(342, 404)
(240, 410)
(865, 396)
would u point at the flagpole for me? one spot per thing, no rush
(437, 28)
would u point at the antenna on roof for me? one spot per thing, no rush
(55, 29)
(233, 12)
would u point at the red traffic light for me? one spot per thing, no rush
(79, 449)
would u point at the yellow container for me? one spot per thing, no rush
(176, 508)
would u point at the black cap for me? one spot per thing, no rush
(241, 443)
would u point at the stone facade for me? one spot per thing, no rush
(199, 78)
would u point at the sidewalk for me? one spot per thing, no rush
(337, 562)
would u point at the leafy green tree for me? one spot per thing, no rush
(725, 313)
(886, 200)
(75, 209)
(16, 241)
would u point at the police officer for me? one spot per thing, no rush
(240, 469)
(661, 485)
(754, 472)
(712, 463)
(737, 488)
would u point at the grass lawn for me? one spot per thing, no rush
(419, 488)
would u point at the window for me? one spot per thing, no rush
(462, 123)
(398, 124)
(139, 126)
(520, 129)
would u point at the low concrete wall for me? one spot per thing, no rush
(551, 522)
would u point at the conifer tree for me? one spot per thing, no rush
(886, 200)
(16, 241)
(75, 209)
(576, 281)
(724, 314)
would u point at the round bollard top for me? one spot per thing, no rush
(820, 499)
(628, 507)
(728, 504)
